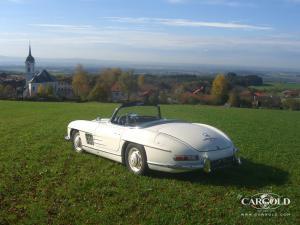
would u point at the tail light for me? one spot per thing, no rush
(186, 158)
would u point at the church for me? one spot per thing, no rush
(35, 79)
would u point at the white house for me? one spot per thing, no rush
(64, 87)
(42, 79)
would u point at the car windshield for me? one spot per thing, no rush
(136, 115)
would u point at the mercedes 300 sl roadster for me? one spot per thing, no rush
(137, 136)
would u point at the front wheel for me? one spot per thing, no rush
(77, 144)
(136, 159)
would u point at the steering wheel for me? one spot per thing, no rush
(132, 118)
(122, 120)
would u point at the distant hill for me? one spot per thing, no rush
(67, 65)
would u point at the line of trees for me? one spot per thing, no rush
(98, 88)
(229, 89)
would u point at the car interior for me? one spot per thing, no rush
(133, 119)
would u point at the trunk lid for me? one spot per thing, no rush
(200, 136)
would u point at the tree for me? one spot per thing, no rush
(49, 91)
(233, 99)
(292, 104)
(179, 90)
(41, 91)
(163, 97)
(108, 78)
(232, 79)
(1, 91)
(128, 83)
(153, 98)
(253, 80)
(141, 81)
(220, 89)
(9, 91)
(80, 83)
(98, 93)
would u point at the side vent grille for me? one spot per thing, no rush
(89, 139)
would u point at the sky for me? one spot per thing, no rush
(262, 33)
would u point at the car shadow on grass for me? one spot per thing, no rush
(249, 175)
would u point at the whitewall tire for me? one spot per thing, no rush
(136, 159)
(77, 144)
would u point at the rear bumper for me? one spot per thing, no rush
(222, 163)
(180, 167)
(207, 167)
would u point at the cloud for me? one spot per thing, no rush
(188, 23)
(63, 26)
(113, 43)
(90, 35)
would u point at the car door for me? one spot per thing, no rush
(108, 136)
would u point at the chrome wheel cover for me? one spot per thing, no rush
(135, 160)
(77, 143)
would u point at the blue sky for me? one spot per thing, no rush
(225, 32)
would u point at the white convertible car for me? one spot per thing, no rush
(137, 136)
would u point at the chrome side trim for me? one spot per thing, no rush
(100, 150)
(159, 149)
(219, 149)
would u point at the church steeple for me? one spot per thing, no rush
(29, 49)
(29, 65)
(30, 58)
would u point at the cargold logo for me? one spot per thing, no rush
(265, 201)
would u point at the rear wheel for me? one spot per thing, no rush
(136, 160)
(77, 144)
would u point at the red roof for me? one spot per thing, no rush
(116, 88)
(198, 90)
(291, 92)
(146, 93)
(260, 94)
(246, 93)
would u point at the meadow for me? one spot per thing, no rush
(277, 87)
(43, 181)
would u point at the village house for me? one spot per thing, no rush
(291, 93)
(116, 93)
(64, 87)
(44, 79)
(14, 85)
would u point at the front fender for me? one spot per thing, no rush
(81, 125)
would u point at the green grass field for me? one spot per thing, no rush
(277, 86)
(42, 181)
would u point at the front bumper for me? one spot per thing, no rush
(67, 138)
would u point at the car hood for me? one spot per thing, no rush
(201, 137)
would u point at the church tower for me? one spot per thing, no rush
(29, 65)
